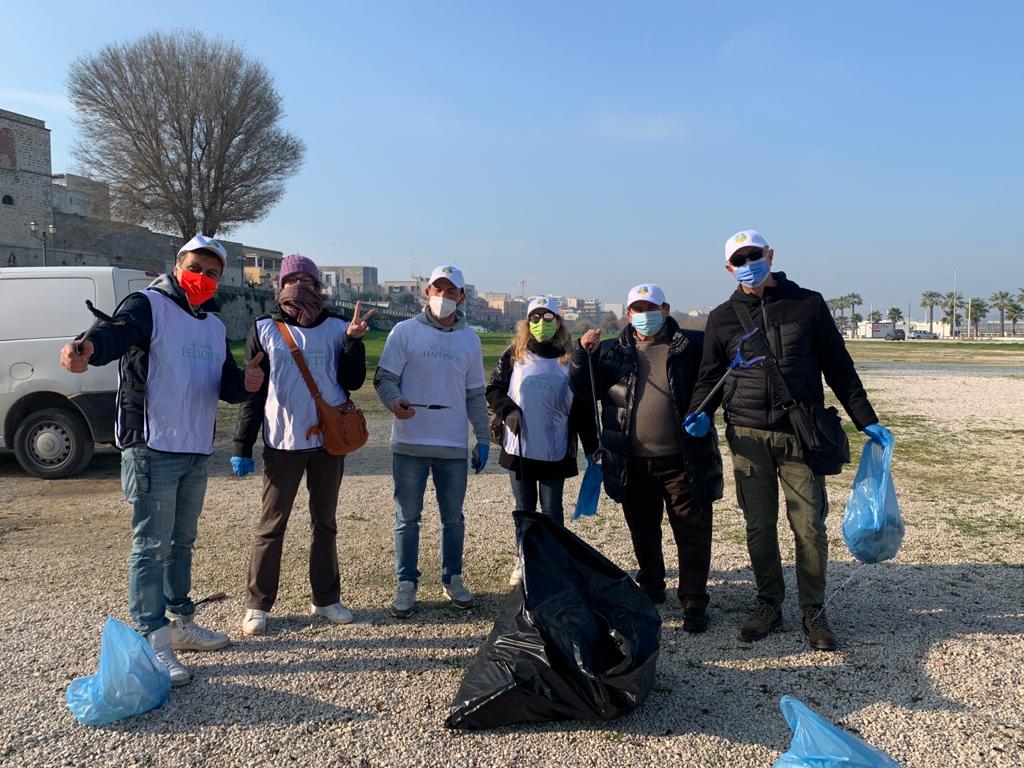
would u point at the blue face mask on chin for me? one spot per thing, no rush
(753, 273)
(648, 323)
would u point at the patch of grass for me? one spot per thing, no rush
(983, 527)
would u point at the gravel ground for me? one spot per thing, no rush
(930, 667)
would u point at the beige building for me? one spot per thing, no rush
(26, 189)
(81, 196)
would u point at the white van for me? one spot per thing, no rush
(51, 418)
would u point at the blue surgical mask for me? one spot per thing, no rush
(753, 273)
(648, 323)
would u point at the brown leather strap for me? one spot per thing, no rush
(299, 360)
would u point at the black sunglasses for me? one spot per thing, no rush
(739, 259)
(545, 316)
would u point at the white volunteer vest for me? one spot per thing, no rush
(186, 360)
(540, 387)
(290, 410)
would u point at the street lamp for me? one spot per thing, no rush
(49, 232)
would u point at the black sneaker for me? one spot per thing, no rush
(763, 620)
(695, 618)
(819, 633)
(656, 596)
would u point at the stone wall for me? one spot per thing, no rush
(25, 182)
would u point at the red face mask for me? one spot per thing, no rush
(197, 287)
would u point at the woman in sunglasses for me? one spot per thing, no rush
(529, 392)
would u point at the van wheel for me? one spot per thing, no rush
(53, 443)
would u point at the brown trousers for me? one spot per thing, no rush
(654, 485)
(282, 473)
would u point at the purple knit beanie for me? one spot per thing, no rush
(295, 263)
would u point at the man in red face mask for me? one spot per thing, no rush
(175, 365)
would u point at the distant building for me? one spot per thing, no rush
(616, 308)
(354, 279)
(81, 196)
(262, 266)
(26, 190)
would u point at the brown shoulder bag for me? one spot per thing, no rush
(343, 427)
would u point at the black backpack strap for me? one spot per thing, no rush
(771, 363)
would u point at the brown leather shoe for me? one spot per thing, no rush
(763, 620)
(819, 633)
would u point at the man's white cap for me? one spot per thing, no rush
(646, 292)
(204, 243)
(543, 302)
(748, 238)
(448, 272)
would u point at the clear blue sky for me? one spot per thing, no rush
(875, 145)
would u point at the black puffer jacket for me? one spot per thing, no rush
(615, 366)
(581, 420)
(804, 339)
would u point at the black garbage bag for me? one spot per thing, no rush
(577, 639)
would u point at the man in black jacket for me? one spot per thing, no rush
(802, 337)
(644, 380)
(175, 364)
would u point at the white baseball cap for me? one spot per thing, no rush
(543, 302)
(448, 272)
(748, 238)
(204, 243)
(646, 292)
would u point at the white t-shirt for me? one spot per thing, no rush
(433, 367)
(540, 387)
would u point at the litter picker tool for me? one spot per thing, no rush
(101, 317)
(216, 597)
(738, 361)
(430, 406)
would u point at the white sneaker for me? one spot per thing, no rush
(254, 622)
(336, 613)
(160, 641)
(456, 592)
(186, 635)
(517, 574)
(401, 608)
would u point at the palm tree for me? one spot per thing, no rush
(930, 300)
(833, 306)
(856, 320)
(875, 316)
(895, 314)
(853, 300)
(1001, 300)
(1014, 313)
(951, 302)
(977, 310)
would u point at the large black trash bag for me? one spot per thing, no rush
(577, 639)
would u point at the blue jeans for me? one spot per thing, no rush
(166, 492)
(527, 493)
(410, 476)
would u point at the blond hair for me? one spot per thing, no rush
(561, 339)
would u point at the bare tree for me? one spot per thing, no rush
(185, 129)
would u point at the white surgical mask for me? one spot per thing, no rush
(442, 307)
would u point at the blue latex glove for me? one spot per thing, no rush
(697, 424)
(480, 454)
(878, 433)
(591, 459)
(242, 466)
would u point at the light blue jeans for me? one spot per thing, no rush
(166, 492)
(410, 477)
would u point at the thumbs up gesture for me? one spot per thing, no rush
(254, 374)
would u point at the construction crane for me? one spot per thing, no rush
(522, 285)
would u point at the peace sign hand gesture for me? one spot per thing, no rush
(358, 327)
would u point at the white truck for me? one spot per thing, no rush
(51, 418)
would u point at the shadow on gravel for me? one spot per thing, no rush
(205, 702)
(888, 619)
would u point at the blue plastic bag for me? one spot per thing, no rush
(872, 525)
(590, 491)
(129, 680)
(819, 744)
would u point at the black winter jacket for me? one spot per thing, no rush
(351, 375)
(804, 339)
(615, 366)
(581, 421)
(127, 339)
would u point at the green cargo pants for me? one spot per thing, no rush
(760, 460)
